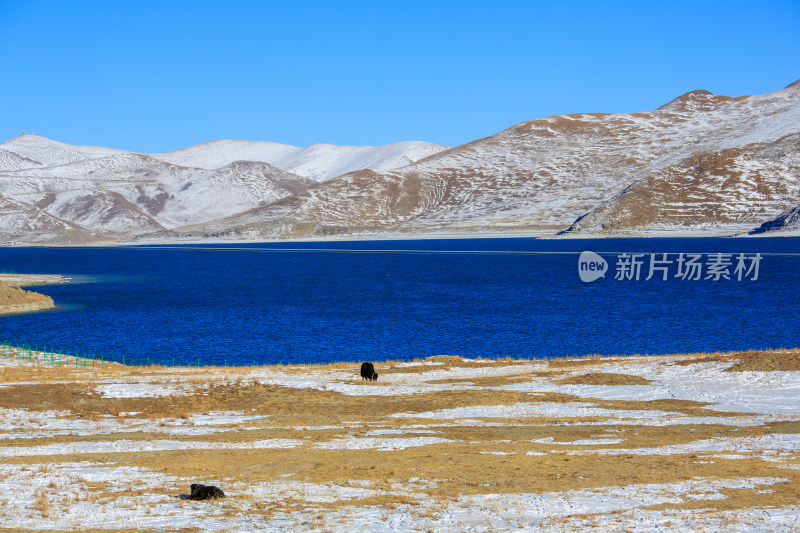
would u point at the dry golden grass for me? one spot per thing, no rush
(463, 465)
(603, 378)
(456, 469)
(753, 360)
(41, 503)
(771, 361)
(704, 359)
(14, 296)
(570, 362)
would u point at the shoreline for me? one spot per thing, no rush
(404, 237)
(15, 300)
(23, 308)
(33, 280)
(441, 360)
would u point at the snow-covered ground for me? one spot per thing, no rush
(448, 444)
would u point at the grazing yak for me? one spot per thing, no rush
(368, 372)
(205, 492)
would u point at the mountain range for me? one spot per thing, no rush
(52, 192)
(702, 164)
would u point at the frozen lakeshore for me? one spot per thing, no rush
(646, 443)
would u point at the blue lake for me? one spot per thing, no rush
(376, 300)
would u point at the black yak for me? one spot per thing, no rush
(205, 492)
(368, 372)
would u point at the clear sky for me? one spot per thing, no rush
(158, 76)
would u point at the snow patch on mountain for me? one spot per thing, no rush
(49, 152)
(21, 221)
(13, 161)
(319, 162)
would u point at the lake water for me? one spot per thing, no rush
(376, 300)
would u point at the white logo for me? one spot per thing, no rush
(591, 266)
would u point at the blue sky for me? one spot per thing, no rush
(158, 76)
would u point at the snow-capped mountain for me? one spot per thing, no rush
(39, 151)
(56, 192)
(700, 164)
(539, 176)
(112, 195)
(319, 162)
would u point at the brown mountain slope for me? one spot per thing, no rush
(734, 190)
(536, 176)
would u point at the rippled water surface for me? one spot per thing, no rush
(313, 302)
